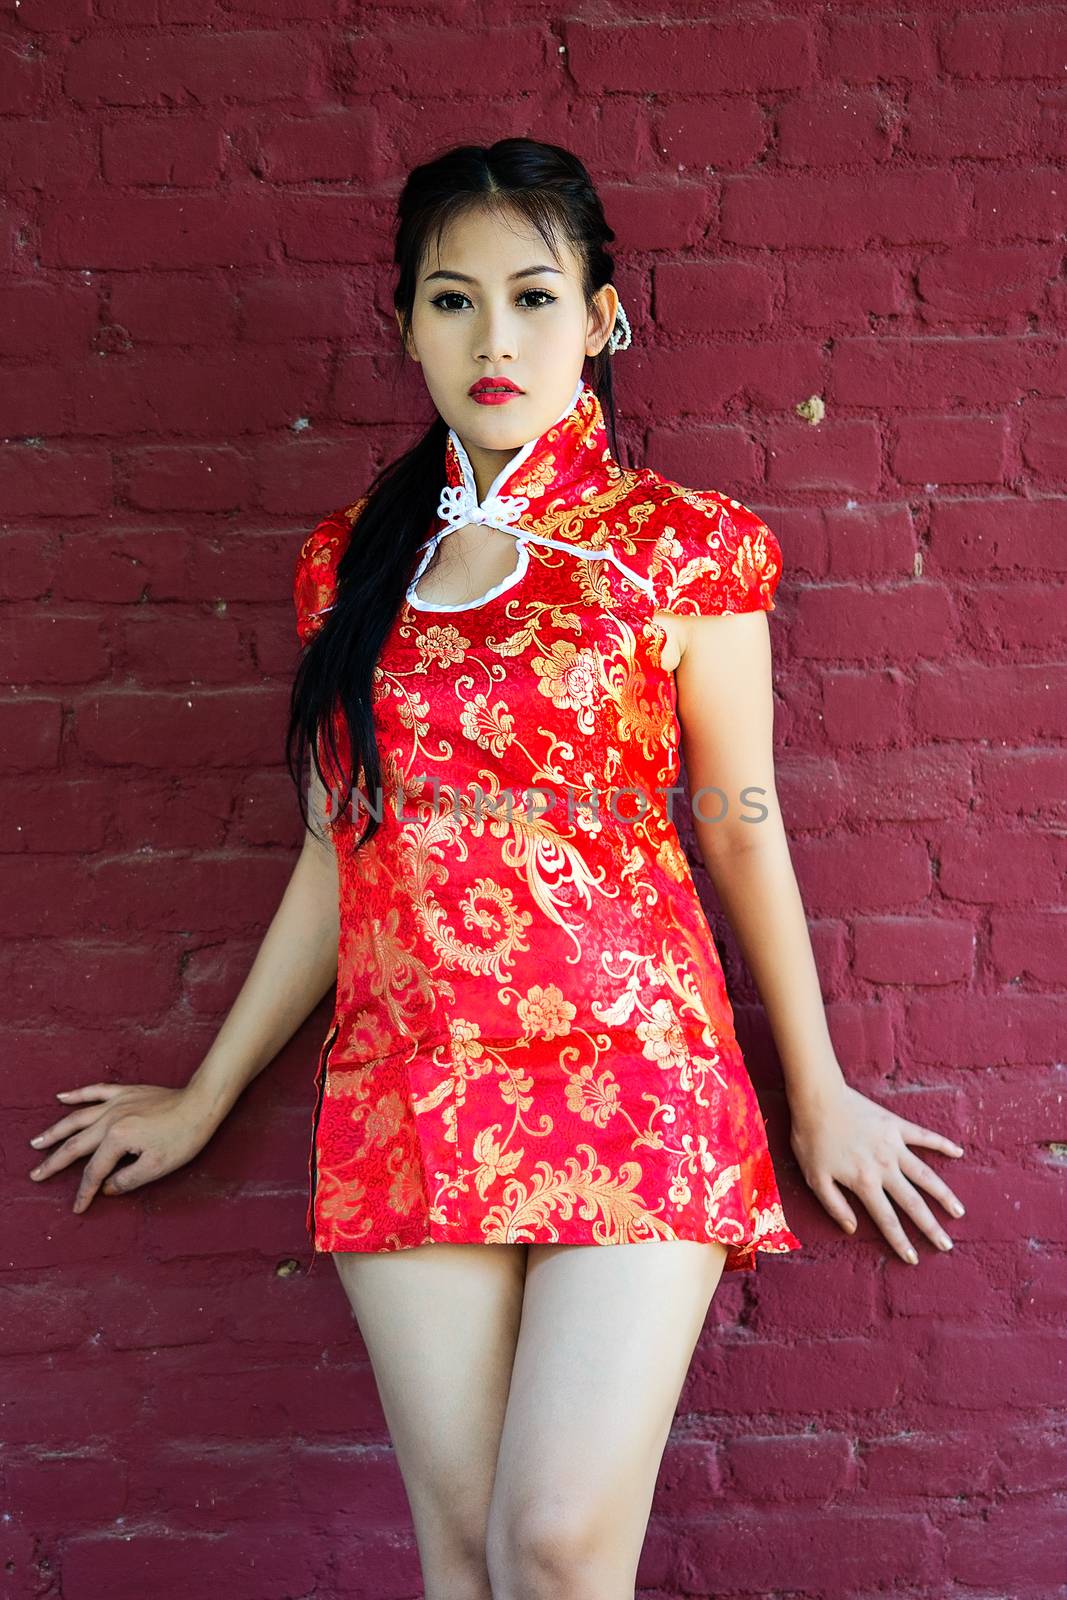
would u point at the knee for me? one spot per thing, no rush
(546, 1549)
(452, 1553)
(467, 1581)
(456, 1570)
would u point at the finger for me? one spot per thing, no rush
(91, 1091)
(68, 1125)
(888, 1223)
(129, 1177)
(72, 1148)
(916, 1169)
(912, 1203)
(915, 1133)
(97, 1168)
(836, 1204)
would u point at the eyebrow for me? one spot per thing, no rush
(462, 277)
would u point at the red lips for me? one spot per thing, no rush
(494, 383)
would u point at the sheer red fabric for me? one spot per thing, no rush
(532, 1038)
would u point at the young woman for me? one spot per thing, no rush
(531, 1058)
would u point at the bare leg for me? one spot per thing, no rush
(605, 1342)
(440, 1324)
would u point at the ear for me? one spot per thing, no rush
(409, 344)
(601, 319)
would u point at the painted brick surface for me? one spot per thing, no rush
(841, 245)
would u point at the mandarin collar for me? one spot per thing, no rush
(562, 468)
(556, 465)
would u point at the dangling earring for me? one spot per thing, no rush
(621, 335)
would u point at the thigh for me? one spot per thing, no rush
(606, 1338)
(440, 1323)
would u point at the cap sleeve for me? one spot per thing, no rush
(718, 557)
(315, 577)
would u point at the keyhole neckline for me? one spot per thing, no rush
(509, 582)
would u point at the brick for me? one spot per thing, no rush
(708, 297)
(775, 370)
(774, 53)
(842, 622)
(856, 874)
(993, 281)
(972, 700)
(38, 320)
(265, 1565)
(942, 122)
(843, 213)
(991, 1366)
(1043, 449)
(915, 784)
(913, 951)
(998, 534)
(1025, 618)
(822, 129)
(30, 733)
(709, 456)
(182, 153)
(979, 1030)
(870, 49)
(860, 287)
(1029, 783)
(131, 232)
(1024, 202)
(865, 708)
(22, 80)
(1002, 866)
(938, 1466)
(719, 133)
(925, 373)
(174, 308)
(839, 456)
(936, 450)
(36, 481)
(338, 147)
(891, 1548)
(1024, 45)
(195, 67)
(1028, 946)
(766, 1470)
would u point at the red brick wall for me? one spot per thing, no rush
(859, 206)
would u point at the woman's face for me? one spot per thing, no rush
(480, 311)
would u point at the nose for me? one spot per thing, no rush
(496, 338)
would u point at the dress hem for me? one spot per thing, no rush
(741, 1257)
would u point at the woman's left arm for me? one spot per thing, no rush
(839, 1136)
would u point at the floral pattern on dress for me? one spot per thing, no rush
(532, 1039)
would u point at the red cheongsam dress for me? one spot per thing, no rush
(531, 1039)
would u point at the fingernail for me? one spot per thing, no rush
(37, 1139)
(957, 1210)
(913, 1258)
(36, 1173)
(62, 1094)
(944, 1242)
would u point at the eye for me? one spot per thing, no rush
(455, 294)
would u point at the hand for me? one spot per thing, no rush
(163, 1128)
(851, 1140)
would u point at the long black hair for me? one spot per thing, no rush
(549, 188)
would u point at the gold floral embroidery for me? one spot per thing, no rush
(534, 1040)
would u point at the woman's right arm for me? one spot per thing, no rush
(295, 966)
(163, 1127)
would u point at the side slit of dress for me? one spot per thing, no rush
(313, 1174)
